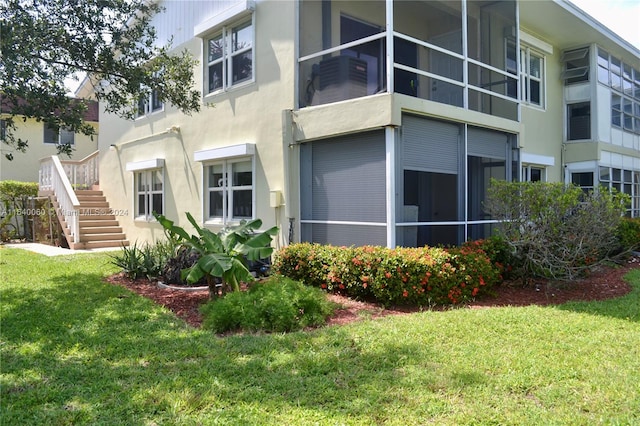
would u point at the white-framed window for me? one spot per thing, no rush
(149, 186)
(149, 193)
(533, 173)
(149, 105)
(3, 130)
(229, 58)
(229, 190)
(532, 77)
(58, 136)
(583, 179)
(624, 82)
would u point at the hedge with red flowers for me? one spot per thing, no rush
(402, 276)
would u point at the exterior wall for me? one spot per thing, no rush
(25, 166)
(265, 113)
(251, 113)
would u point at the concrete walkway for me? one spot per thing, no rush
(48, 250)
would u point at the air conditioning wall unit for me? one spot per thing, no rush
(341, 78)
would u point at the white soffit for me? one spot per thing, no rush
(234, 12)
(241, 150)
(543, 160)
(156, 163)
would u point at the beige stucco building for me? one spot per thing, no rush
(43, 143)
(375, 122)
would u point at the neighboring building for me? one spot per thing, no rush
(375, 122)
(42, 143)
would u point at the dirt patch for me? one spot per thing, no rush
(605, 283)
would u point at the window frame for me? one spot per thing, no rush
(228, 55)
(227, 190)
(576, 74)
(60, 134)
(569, 107)
(526, 53)
(148, 193)
(147, 106)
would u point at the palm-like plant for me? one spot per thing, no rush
(223, 255)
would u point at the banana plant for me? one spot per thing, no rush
(224, 254)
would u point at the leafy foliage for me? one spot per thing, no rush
(403, 276)
(628, 234)
(146, 260)
(14, 199)
(554, 230)
(45, 42)
(277, 305)
(224, 254)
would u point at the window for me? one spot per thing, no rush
(579, 121)
(3, 130)
(229, 190)
(150, 105)
(229, 57)
(533, 174)
(583, 179)
(531, 77)
(624, 81)
(149, 193)
(61, 136)
(576, 69)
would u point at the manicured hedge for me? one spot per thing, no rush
(422, 276)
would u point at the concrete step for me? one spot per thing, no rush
(85, 238)
(94, 204)
(90, 192)
(87, 230)
(98, 244)
(90, 198)
(88, 222)
(97, 216)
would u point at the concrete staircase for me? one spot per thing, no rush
(99, 227)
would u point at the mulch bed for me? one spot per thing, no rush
(604, 283)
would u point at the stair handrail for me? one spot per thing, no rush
(54, 178)
(83, 173)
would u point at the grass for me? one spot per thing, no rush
(76, 350)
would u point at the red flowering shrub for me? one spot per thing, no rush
(402, 276)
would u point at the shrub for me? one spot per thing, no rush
(276, 305)
(555, 230)
(498, 251)
(403, 276)
(15, 199)
(146, 260)
(184, 258)
(223, 256)
(628, 234)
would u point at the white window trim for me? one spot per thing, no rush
(148, 111)
(226, 156)
(141, 167)
(526, 52)
(226, 30)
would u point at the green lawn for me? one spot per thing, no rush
(76, 350)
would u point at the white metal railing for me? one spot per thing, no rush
(52, 177)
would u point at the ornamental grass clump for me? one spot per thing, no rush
(422, 276)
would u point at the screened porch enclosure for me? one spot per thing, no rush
(416, 48)
(442, 171)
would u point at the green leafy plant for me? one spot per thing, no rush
(276, 305)
(421, 276)
(224, 254)
(628, 234)
(555, 230)
(146, 260)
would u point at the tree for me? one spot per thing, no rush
(556, 230)
(45, 42)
